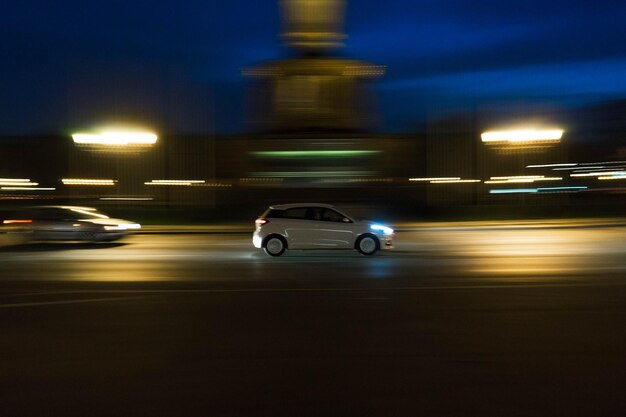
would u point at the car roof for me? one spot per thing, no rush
(63, 207)
(294, 205)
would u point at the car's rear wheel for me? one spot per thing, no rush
(275, 246)
(367, 245)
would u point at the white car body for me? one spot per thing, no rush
(319, 226)
(68, 223)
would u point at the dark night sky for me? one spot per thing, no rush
(175, 65)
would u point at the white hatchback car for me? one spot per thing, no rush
(317, 226)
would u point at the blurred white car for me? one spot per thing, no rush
(67, 223)
(317, 226)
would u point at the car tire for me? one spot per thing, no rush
(367, 245)
(275, 245)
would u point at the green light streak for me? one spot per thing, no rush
(314, 174)
(315, 154)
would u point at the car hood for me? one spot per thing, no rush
(113, 222)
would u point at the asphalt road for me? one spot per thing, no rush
(453, 322)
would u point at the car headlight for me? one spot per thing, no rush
(380, 228)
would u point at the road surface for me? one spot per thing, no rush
(496, 321)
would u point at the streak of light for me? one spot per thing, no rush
(86, 181)
(562, 188)
(521, 136)
(550, 165)
(614, 177)
(28, 188)
(114, 138)
(17, 182)
(126, 198)
(513, 177)
(523, 180)
(514, 191)
(436, 179)
(186, 183)
(453, 181)
(598, 174)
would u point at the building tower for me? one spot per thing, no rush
(312, 91)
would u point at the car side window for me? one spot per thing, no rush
(298, 213)
(329, 215)
(45, 214)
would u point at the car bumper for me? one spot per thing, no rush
(257, 240)
(386, 242)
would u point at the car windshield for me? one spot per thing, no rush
(85, 213)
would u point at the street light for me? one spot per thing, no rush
(522, 136)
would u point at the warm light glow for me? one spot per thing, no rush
(614, 177)
(18, 182)
(27, 189)
(521, 179)
(537, 190)
(16, 221)
(82, 181)
(521, 136)
(453, 181)
(436, 179)
(175, 182)
(115, 138)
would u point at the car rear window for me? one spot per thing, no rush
(292, 213)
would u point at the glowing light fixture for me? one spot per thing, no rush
(380, 228)
(522, 136)
(115, 138)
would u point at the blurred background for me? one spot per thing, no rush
(201, 113)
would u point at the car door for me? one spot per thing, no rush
(333, 230)
(298, 227)
(51, 223)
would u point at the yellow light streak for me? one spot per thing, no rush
(436, 179)
(175, 182)
(115, 138)
(87, 181)
(453, 181)
(622, 177)
(28, 188)
(18, 182)
(521, 180)
(521, 136)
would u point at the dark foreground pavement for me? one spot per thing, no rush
(452, 323)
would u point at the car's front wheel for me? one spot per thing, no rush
(367, 245)
(275, 246)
